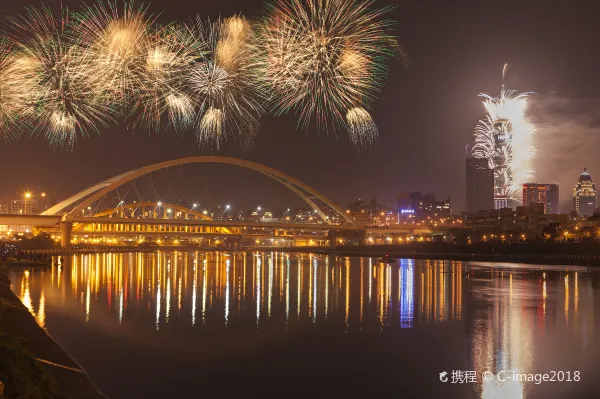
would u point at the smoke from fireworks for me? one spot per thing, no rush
(505, 139)
(324, 59)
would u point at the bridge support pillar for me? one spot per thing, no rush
(66, 230)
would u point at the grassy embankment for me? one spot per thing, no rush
(32, 364)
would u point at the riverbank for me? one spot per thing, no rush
(536, 255)
(577, 254)
(14, 262)
(32, 364)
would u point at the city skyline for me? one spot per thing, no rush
(412, 113)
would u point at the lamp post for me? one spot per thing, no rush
(194, 206)
(227, 207)
(27, 196)
(43, 195)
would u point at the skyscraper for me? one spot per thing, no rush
(584, 195)
(503, 137)
(537, 193)
(480, 185)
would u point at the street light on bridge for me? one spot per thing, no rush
(27, 196)
(227, 207)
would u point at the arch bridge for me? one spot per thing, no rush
(79, 203)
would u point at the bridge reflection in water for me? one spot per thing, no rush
(223, 289)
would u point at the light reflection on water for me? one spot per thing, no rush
(510, 319)
(119, 284)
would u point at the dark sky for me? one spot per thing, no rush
(426, 112)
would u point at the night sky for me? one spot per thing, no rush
(426, 112)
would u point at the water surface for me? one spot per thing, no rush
(185, 325)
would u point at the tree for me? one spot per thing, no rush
(552, 231)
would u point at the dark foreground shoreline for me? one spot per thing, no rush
(59, 369)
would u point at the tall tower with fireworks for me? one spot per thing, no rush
(504, 138)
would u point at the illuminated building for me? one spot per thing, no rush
(422, 205)
(306, 216)
(532, 216)
(546, 194)
(268, 217)
(480, 185)
(369, 214)
(584, 195)
(23, 207)
(503, 138)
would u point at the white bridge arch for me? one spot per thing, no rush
(96, 192)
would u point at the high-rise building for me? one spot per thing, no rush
(537, 193)
(584, 195)
(495, 141)
(480, 185)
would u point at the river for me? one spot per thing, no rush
(270, 324)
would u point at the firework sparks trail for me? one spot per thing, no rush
(13, 91)
(505, 139)
(361, 128)
(324, 59)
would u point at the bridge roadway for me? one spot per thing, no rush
(70, 226)
(41, 221)
(30, 220)
(208, 223)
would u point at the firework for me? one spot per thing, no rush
(361, 127)
(324, 59)
(116, 43)
(167, 63)
(504, 138)
(53, 76)
(221, 80)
